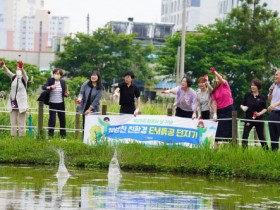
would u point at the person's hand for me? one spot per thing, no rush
(215, 117)
(199, 117)
(255, 115)
(2, 63)
(165, 91)
(52, 87)
(115, 95)
(66, 93)
(88, 111)
(212, 70)
(194, 115)
(136, 112)
(205, 76)
(20, 64)
(79, 101)
(244, 108)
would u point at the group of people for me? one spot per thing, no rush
(206, 103)
(54, 93)
(88, 99)
(217, 103)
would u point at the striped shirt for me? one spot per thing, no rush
(56, 94)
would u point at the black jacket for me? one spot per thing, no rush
(45, 95)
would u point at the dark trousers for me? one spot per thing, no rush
(205, 115)
(181, 113)
(274, 129)
(61, 117)
(127, 109)
(224, 129)
(260, 131)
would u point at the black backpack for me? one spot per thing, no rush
(23, 81)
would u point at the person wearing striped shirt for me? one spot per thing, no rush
(57, 91)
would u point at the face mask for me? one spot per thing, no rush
(19, 73)
(56, 76)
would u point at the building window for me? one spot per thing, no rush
(195, 3)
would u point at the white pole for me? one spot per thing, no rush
(183, 37)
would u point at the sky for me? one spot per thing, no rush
(103, 11)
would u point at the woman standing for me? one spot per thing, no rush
(185, 101)
(17, 101)
(57, 91)
(204, 98)
(90, 95)
(222, 106)
(254, 105)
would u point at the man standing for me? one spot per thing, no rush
(128, 92)
(274, 98)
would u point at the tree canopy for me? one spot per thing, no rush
(35, 76)
(243, 46)
(110, 53)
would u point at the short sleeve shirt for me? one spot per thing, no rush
(128, 94)
(223, 96)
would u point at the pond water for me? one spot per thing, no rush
(23, 187)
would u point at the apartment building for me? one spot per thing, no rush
(198, 12)
(202, 12)
(25, 25)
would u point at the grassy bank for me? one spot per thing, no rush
(228, 161)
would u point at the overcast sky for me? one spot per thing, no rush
(103, 11)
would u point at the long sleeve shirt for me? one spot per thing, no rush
(185, 100)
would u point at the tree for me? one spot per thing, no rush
(110, 53)
(243, 46)
(33, 72)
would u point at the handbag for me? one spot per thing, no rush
(14, 103)
(44, 97)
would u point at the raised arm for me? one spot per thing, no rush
(116, 92)
(7, 71)
(218, 76)
(173, 90)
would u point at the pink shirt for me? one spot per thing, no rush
(223, 96)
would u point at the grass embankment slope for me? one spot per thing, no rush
(227, 161)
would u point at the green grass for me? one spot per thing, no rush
(229, 161)
(112, 108)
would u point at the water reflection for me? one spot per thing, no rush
(143, 200)
(37, 188)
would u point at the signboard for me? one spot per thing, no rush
(149, 130)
